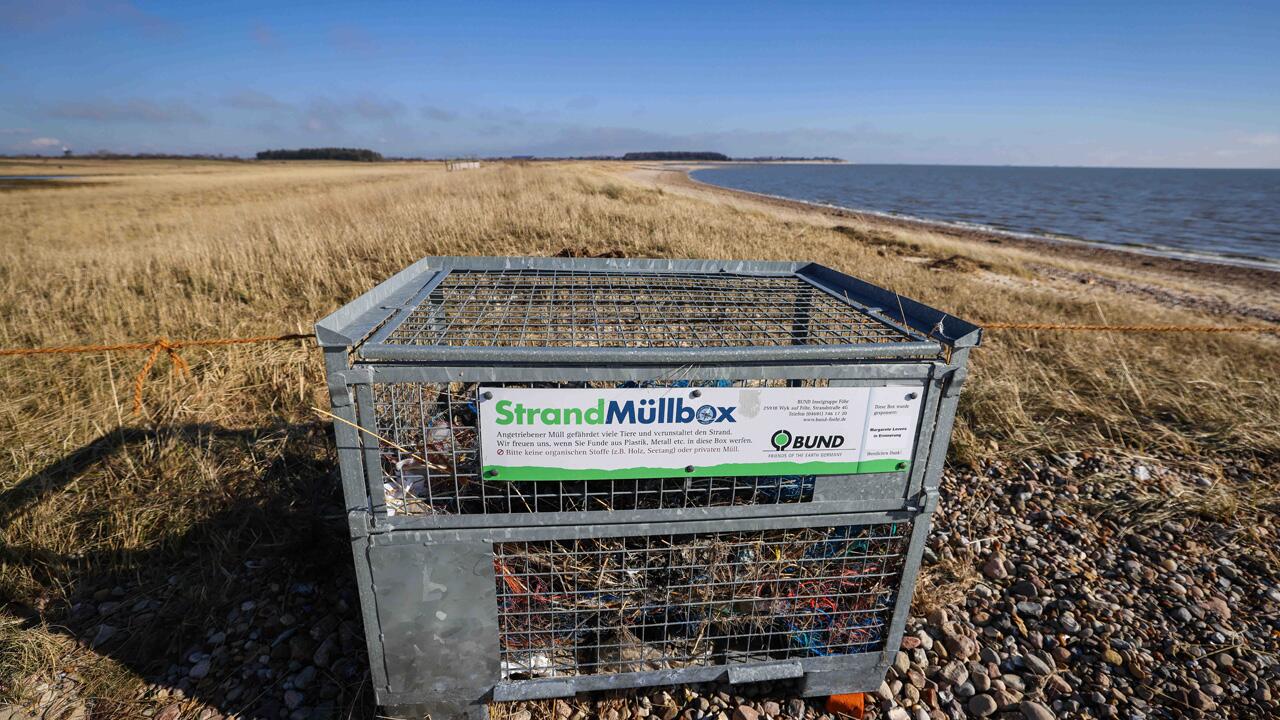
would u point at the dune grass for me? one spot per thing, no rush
(191, 250)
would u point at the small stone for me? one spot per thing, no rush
(910, 694)
(1036, 711)
(1218, 607)
(955, 673)
(884, 692)
(795, 707)
(1036, 665)
(981, 705)
(324, 654)
(771, 708)
(300, 648)
(926, 642)
(1112, 657)
(981, 681)
(901, 663)
(1006, 698)
(103, 636)
(1024, 588)
(1141, 473)
(1200, 701)
(965, 690)
(898, 713)
(746, 712)
(304, 678)
(199, 670)
(1059, 684)
(960, 647)
(1030, 609)
(994, 568)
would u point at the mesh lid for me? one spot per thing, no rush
(582, 309)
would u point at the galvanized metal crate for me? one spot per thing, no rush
(476, 587)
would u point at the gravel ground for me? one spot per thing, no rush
(1068, 588)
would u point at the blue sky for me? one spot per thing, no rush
(1130, 84)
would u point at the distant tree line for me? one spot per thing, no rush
(788, 158)
(110, 155)
(675, 155)
(354, 154)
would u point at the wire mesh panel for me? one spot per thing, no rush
(527, 308)
(634, 604)
(431, 464)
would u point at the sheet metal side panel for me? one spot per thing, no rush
(347, 325)
(404, 309)
(438, 617)
(921, 317)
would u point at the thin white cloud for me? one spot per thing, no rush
(254, 100)
(136, 110)
(44, 143)
(438, 113)
(1262, 139)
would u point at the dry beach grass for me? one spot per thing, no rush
(228, 479)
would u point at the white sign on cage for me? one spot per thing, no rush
(597, 434)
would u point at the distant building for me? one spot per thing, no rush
(452, 165)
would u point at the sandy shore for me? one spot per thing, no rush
(1213, 288)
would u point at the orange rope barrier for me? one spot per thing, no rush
(180, 366)
(1135, 328)
(157, 346)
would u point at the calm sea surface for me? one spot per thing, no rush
(1231, 214)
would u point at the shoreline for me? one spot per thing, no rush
(956, 226)
(1252, 275)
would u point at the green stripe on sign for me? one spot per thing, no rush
(534, 472)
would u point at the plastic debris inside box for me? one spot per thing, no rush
(655, 603)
